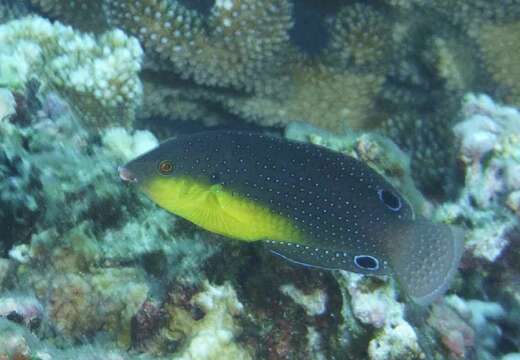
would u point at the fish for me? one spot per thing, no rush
(308, 204)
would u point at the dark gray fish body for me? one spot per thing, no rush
(348, 216)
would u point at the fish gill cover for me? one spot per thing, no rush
(90, 268)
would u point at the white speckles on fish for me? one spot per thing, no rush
(308, 204)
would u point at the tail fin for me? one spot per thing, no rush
(425, 258)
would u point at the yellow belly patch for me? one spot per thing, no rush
(218, 210)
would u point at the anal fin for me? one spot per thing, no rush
(309, 256)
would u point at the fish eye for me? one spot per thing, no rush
(165, 167)
(366, 262)
(390, 199)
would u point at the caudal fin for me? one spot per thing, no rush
(425, 257)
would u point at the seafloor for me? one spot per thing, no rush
(424, 91)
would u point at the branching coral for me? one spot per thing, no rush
(10, 10)
(405, 4)
(85, 15)
(361, 36)
(455, 65)
(97, 75)
(475, 12)
(430, 147)
(238, 45)
(176, 100)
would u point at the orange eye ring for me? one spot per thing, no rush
(165, 167)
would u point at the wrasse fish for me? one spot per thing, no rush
(308, 204)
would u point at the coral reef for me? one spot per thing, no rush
(10, 10)
(25, 310)
(500, 51)
(488, 148)
(405, 60)
(474, 12)
(182, 102)
(210, 337)
(238, 43)
(314, 303)
(70, 218)
(90, 269)
(7, 104)
(98, 76)
(374, 303)
(483, 317)
(361, 37)
(320, 95)
(6, 270)
(455, 334)
(83, 14)
(18, 343)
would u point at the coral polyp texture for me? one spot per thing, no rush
(329, 98)
(501, 50)
(361, 36)
(97, 75)
(237, 45)
(84, 14)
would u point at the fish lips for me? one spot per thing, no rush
(126, 175)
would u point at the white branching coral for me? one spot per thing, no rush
(99, 76)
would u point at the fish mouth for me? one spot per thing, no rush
(126, 175)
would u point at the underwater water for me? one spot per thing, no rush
(259, 179)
